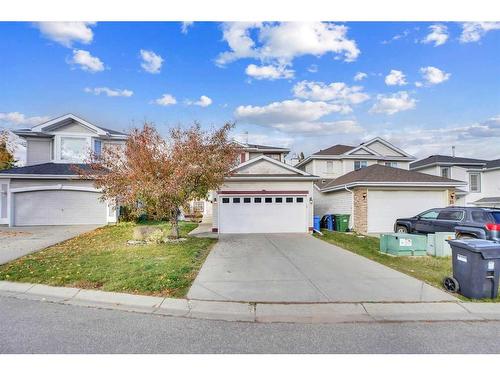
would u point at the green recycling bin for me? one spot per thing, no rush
(342, 223)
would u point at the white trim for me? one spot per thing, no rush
(274, 161)
(388, 144)
(271, 178)
(39, 128)
(364, 148)
(394, 184)
(5, 220)
(41, 176)
(55, 187)
(446, 164)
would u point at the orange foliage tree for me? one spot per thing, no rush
(156, 176)
(7, 159)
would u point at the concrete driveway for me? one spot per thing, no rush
(16, 242)
(300, 268)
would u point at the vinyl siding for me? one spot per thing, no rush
(38, 151)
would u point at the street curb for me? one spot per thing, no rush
(359, 312)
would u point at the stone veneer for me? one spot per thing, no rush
(360, 211)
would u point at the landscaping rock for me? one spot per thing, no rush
(174, 240)
(143, 232)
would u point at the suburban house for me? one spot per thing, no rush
(48, 190)
(373, 184)
(481, 177)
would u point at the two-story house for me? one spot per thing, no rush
(47, 190)
(481, 177)
(373, 184)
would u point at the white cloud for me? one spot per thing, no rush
(270, 72)
(165, 100)
(204, 101)
(474, 31)
(438, 35)
(282, 42)
(185, 26)
(395, 78)
(434, 76)
(295, 116)
(109, 92)
(360, 76)
(394, 103)
(336, 92)
(403, 35)
(151, 62)
(313, 68)
(86, 61)
(67, 33)
(20, 119)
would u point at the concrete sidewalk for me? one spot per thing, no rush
(258, 312)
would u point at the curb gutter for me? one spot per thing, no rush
(364, 312)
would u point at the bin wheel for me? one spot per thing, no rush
(451, 284)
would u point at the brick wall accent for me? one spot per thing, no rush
(452, 197)
(360, 222)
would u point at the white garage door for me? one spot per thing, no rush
(263, 214)
(58, 207)
(384, 207)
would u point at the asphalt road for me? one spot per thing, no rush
(41, 327)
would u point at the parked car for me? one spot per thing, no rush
(467, 222)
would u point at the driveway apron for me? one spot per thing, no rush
(300, 268)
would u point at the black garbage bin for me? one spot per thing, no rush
(476, 268)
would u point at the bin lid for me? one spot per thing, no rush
(487, 249)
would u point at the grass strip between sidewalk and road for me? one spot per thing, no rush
(101, 259)
(430, 269)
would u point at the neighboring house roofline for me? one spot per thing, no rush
(350, 157)
(261, 148)
(388, 144)
(447, 161)
(271, 160)
(391, 184)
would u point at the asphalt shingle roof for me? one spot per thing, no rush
(335, 150)
(381, 173)
(58, 169)
(446, 159)
(493, 164)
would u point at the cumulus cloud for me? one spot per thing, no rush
(395, 78)
(281, 42)
(67, 33)
(438, 35)
(151, 62)
(109, 92)
(433, 76)
(313, 68)
(394, 103)
(9, 119)
(185, 26)
(86, 61)
(360, 76)
(336, 92)
(166, 100)
(474, 31)
(204, 101)
(296, 116)
(270, 72)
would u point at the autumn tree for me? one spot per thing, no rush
(156, 176)
(7, 159)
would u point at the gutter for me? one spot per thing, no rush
(352, 202)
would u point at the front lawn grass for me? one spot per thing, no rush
(101, 259)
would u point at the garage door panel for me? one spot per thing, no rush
(263, 217)
(385, 206)
(59, 207)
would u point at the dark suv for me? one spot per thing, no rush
(467, 222)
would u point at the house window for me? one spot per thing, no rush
(73, 149)
(236, 200)
(300, 199)
(279, 200)
(393, 164)
(247, 200)
(445, 172)
(269, 200)
(225, 200)
(329, 166)
(474, 182)
(257, 200)
(358, 164)
(97, 147)
(289, 200)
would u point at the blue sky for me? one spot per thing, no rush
(424, 86)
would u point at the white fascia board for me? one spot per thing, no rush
(65, 117)
(41, 176)
(446, 164)
(390, 145)
(272, 178)
(277, 162)
(395, 184)
(364, 148)
(55, 187)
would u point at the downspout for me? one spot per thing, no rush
(352, 202)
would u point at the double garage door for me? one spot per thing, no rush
(263, 214)
(385, 206)
(58, 207)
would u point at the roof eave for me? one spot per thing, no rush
(393, 184)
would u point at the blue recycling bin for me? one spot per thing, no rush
(317, 220)
(330, 222)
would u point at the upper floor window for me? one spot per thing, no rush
(393, 164)
(445, 172)
(358, 164)
(97, 147)
(475, 182)
(73, 149)
(329, 166)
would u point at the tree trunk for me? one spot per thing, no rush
(174, 229)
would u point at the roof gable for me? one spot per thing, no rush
(73, 123)
(335, 150)
(263, 165)
(447, 160)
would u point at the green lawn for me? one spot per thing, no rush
(430, 269)
(102, 260)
